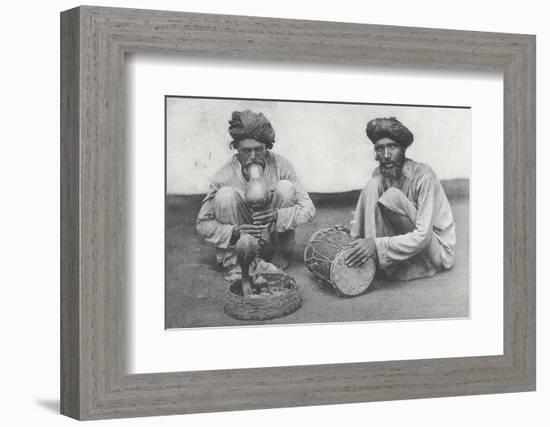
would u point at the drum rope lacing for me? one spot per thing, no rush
(317, 256)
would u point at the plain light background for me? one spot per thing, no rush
(326, 143)
(29, 216)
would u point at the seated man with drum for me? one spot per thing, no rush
(257, 193)
(403, 218)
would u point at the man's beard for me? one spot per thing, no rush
(392, 170)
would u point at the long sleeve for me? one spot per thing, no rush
(357, 224)
(392, 249)
(207, 226)
(303, 211)
(278, 168)
(363, 224)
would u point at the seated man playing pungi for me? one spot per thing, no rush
(403, 217)
(225, 215)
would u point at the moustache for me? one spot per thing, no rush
(257, 161)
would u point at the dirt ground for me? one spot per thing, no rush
(195, 287)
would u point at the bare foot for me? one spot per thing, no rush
(280, 260)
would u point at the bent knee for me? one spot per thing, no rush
(393, 193)
(225, 196)
(392, 199)
(285, 190)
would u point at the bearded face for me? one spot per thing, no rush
(251, 151)
(391, 157)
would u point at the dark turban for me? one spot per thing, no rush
(389, 128)
(247, 124)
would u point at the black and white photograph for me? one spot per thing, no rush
(270, 214)
(297, 212)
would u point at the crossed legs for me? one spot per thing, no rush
(394, 214)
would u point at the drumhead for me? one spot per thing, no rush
(351, 281)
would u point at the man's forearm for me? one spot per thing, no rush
(294, 216)
(214, 232)
(392, 249)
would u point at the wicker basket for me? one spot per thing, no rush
(285, 299)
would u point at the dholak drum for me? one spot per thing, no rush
(324, 256)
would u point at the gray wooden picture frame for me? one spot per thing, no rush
(94, 382)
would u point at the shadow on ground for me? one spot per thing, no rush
(195, 287)
(51, 405)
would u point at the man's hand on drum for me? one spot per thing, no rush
(265, 217)
(361, 251)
